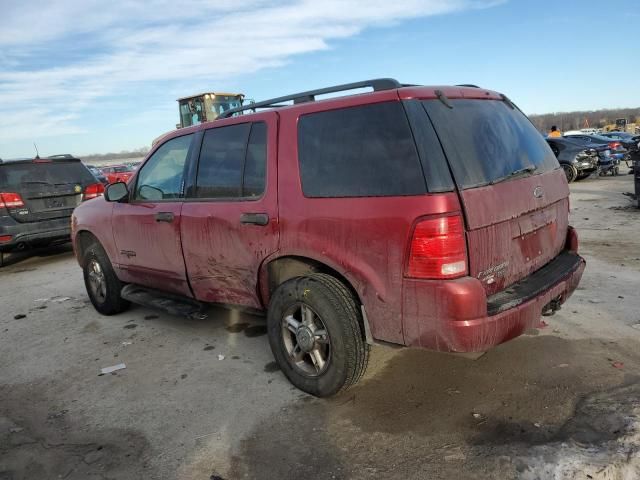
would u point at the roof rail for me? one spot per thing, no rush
(470, 85)
(309, 96)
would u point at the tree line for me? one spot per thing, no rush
(584, 119)
(103, 157)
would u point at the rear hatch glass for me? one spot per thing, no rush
(487, 140)
(513, 192)
(48, 189)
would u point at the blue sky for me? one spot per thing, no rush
(93, 76)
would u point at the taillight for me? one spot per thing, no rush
(614, 145)
(92, 191)
(5, 238)
(11, 200)
(438, 249)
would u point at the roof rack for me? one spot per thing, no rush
(377, 84)
(61, 155)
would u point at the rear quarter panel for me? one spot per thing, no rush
(364, 239)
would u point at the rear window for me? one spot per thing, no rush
(54, 173)
(359, 152)
(486, 140)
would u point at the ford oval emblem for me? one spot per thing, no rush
(538, 192)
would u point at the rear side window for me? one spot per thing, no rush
(256, 162)
(52, 173)
(359, 152)
(233, 161)
(486, 141)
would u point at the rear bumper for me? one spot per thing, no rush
(455, 317)
(32, 232)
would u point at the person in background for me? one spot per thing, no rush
(555, 132)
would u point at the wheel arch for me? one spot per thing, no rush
(83, 240)
(278, 270)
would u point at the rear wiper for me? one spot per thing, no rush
(37, 182)
(515, 173)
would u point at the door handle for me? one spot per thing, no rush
(164, 217)
(261, 219)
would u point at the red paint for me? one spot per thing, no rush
(207, 253)
(522, 235)
(158, 261)
(452, 316)
(222, 255)
(114, 176)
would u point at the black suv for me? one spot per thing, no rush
(37, 197)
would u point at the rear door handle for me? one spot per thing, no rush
(261, 219)
(164, 217)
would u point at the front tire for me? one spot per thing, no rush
(101, 282)
(315, 334)
(570, 171)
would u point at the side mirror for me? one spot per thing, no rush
(116, 192)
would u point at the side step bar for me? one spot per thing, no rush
(172, 304)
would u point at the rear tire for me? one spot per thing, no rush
(315, 334)
(570, 172)
(101, 282)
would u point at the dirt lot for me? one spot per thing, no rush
(204, 400)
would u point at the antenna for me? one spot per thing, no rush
(37, 153)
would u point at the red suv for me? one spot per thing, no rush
(432, 217)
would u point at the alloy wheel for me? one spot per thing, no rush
(97, 281)
(306, 340)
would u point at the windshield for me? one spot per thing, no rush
(222, 103)
(53, 173)
(191, 112)
(487, 141)
(122, 169)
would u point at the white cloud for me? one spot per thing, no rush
(59, 59)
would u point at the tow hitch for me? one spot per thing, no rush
(552, 307)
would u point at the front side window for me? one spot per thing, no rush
(161, 177)
(233, 161)
(361, 151)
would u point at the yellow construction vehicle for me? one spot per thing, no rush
(206, 107)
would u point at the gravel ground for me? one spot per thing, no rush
(202, 399)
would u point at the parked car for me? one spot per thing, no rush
(617, 149)
(577, 162)
(608, 162)
(629, 141)
(386, 216)
(117, 173)
(97, 173)
(37, 197)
